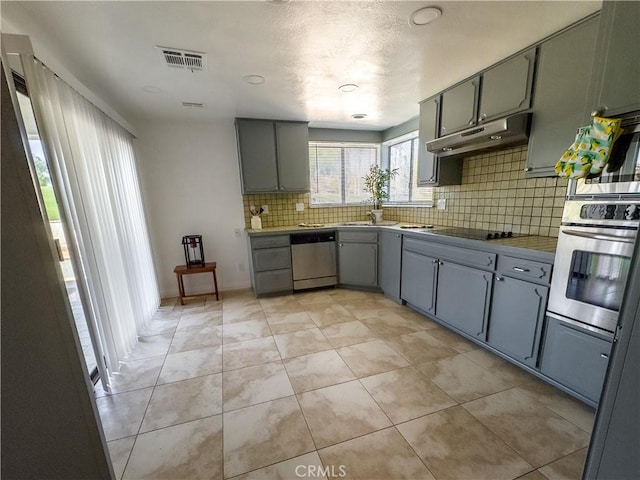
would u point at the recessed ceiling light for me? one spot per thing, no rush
(151, 89)
(348, 87)
(424, 16)
(253, 79)
(359, 116)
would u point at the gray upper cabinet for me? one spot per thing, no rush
(517, 316)
(561, 99)
(506, 88)
(292, 140)
(389, 262)
(432, 172)
(462, 298)
(615, 87)
(459, 107)
(257, 150)
(274, 156)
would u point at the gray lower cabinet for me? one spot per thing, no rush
(463, 296)
(389, 263)
(358, 264)
(271, 261)
(506, 88)
(575, 358)
(274, 156)
(517, 315)
(418, 284)
(615, 87)
(560, 101)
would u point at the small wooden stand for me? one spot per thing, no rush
(181, 270)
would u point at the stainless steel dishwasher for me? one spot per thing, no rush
(313, 259)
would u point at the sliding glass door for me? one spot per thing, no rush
(52, 215)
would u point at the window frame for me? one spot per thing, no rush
(385, 162)
(343, 189)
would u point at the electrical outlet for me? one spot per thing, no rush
(237, 233)
(442, 203)
(299, 207)
(265, 208)
(241, 267)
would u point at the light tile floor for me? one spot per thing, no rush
(330, 384)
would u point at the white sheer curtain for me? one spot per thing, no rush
(93, 161)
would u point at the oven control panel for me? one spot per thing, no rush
(610, 211)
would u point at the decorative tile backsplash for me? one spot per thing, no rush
(494, 195)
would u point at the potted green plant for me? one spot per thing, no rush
(377, 186)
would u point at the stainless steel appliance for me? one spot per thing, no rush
(313, 259)
(621, 176)
(593, 257)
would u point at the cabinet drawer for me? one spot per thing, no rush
(575, 358)
(525, 269)
(270, 242)
(273, 281)
(360, 237)
(271, 259)
(456, 254)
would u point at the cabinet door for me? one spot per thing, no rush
(459, 107)
(293, 156)
(419, 274)
(517, 315)
(358, 264)
(616, 82)
(575, 358)
(462, 298)
(506, 88)
(273, 281)
(390, 261)
(427, 161)
(257, 150)
(560, 100)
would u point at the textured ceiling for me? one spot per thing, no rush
(305, 49)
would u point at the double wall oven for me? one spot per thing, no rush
(595, 243)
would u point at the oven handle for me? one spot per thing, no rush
(599, 236)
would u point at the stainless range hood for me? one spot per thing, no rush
(512, 130)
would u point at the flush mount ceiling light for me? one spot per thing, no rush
(253, 79)
(151, 89)
(348, 87)
(424, 16)
(359, 116)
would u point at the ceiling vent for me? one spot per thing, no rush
(183, 59)
(192, 105)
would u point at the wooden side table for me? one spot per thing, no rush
(181, 270)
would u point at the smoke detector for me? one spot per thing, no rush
(183, 59)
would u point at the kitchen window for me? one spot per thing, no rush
(402, 153)
(336, 171)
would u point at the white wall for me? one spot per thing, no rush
(190, 183)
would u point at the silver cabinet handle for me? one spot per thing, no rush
(434, 261)
(499, 279)
(471, 122)
(528, 169)
(398, 235)
(440, 263)
(432, 179)
(340, 244)
(605, 356)
(519, 269)
(482, 117)
(599, 236)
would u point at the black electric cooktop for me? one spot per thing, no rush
(475, 234)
